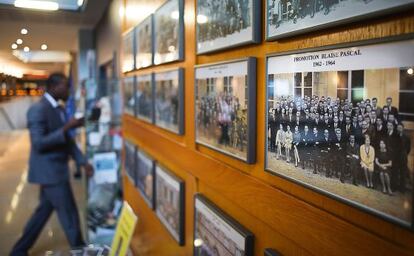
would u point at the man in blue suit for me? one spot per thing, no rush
(51, 147)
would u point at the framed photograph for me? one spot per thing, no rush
(170, 202)
(145, 182)
(128, 51)
(144, 98)
(340, 120)
(226, 24)
(225, 107)
(129, 161)
(169, 32)
(271, 252)
(286, 18)
(128, 92)
(144, 41)
(216, 233)
(169, 100)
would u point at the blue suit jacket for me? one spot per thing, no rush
(50, 146)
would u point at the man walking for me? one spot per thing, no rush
(51, 146)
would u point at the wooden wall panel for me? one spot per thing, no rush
(281, 214)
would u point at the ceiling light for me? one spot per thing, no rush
(23, 31)
(14, 46)
(38, 5)
(19, 41)
(43, 47)
(80, 3)
(410, 71)
(26, 49)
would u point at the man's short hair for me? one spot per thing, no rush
(54, 79)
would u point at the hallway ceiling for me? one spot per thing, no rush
(58, 30)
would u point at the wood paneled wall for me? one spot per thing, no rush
(282, 215)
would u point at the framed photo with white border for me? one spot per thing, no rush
(287, 18)
(222, 25)
(170, 199)
(225, 107)
(169, 32)
(216, 233)
(144, 98)
(169, 100)
(145, 177)
(144, 40)
(339, 120)
(129, 94)
(129, 160)
(128, 51)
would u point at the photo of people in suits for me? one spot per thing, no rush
(355, 143)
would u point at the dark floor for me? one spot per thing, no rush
(18, 199)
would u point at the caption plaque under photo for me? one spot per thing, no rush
(129, 162)
(225, 24)
(225, 107)
(128, 93)
(286, 18)
(144, 43)
(128, 63)
(340, 121)
(170, 202)
(144, 98)
(215, 233)
(145, 182)
(169, 100)
(169, 32)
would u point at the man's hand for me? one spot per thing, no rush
(88, 170)
(73, 123)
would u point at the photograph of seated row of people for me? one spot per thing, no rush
(358, 142)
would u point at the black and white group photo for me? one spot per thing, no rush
(222, 23)
(290, 16)
(221, 114)
(167, 22)
(144, 98)
(346, 132)
(168, 92)
(143, 57)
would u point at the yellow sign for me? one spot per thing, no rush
(124, 231)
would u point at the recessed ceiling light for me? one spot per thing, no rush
(410, 71)
(24, 31)
(26, 49)
(14, 46)
(19, 41)
(43, 47)
(80, 2)
(38, 5)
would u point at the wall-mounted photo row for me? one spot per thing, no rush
(129, 160)
(144, 43)
(170, 198)
(216, 233)
(169, 100)
(286, 18)
(226, 24)
(271, 252)
(340, 120)
(169, 32)
(145, 181)
(129, 94)
(128, 46)
(225, 107)
(144, 98)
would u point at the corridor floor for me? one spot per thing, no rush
(18, 199)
